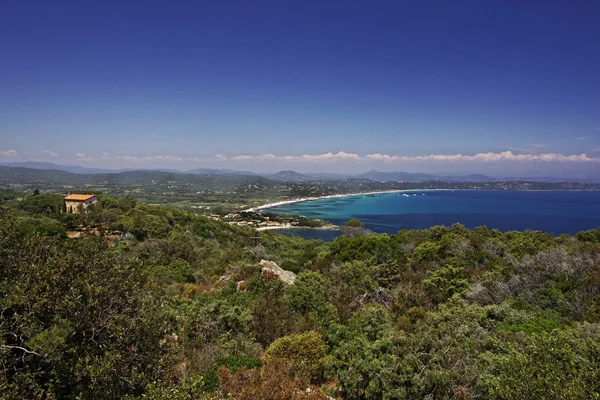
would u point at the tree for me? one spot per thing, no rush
(75, 321)
(427, 251)
(355, 228)
(447, 280)
(355, 223)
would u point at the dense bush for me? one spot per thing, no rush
(302, 355)
(74, 320)
(155, 302)
(268, 383)
(561, 364)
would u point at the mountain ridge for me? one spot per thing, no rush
(294, 176)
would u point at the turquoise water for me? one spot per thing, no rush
(552, 212)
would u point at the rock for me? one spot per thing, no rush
(242, 286)
(271, 269)
(224, 278)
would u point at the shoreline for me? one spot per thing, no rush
(331, 196)
(329, 227)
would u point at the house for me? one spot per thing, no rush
(75, 203)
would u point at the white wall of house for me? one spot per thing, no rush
(73, 206)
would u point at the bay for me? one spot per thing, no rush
(554, 212)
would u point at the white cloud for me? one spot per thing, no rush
(240, 157)
(9, 153)
(50, 153)
(581, 137)
(486, 157)
(538, 145)
(326, 157)
(146, 157)
(343, 157)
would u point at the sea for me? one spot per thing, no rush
(554, 212)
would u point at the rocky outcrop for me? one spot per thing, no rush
(271, 270)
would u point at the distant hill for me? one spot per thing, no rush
(468, 178)
(49, 178)
(165, 187)
(396, 176)
(47, 165)
(293, 176)
(22, 175)
(552, 179)
(75, 169)
(212, 171)
(328, 176)
(289, 176)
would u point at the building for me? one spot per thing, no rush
(75, 203)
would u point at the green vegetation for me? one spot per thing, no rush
(159, 303)
(303, 354)
(221, 194)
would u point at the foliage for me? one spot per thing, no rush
(303, 355)
(43, 226)
(427, 251)
(355, 223)
(548, 365)
(268, 383)
(185, 390)
(178, 270)
(157, 302)
(447, 280)
(43, 204)
(74, 321)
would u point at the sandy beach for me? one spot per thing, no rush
(301, 199)
(329, 227)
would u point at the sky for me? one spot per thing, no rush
(497, 87)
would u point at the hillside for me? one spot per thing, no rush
(289, 176)
(151, 301)
(230, 192)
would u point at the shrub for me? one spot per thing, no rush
(268, 383)
(548, 365)
(427, 251)
(210, 381)
(447, 280)
(302, 354)
(355, 223)
(178, 270)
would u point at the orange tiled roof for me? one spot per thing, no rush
(79, 197)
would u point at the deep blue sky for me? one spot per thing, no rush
(172, 83)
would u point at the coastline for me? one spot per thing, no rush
(331, 196)
(302, 199)
(329, 227)
(504, 224)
